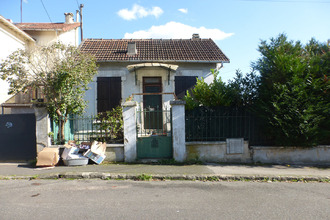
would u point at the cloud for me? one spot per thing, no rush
(176, 30)
(25, 1)
(183, 10)
(139, 12)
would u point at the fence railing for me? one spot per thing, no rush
(220, 123)
(153, 121)
(82, 129)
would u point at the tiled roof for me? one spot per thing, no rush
(47, 26)
(200, 50)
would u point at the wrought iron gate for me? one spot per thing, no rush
(154, 133)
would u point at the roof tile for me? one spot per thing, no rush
(155, 50)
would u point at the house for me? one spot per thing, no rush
(136, 68)
(152, 73)
(49, 33)
(15, 36)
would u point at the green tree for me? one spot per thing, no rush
(294, 90)
(241, 91)
(61, 72)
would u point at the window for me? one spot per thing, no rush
(184, 83)
(108, 93)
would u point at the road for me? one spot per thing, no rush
(104, 199)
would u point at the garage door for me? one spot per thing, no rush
(17, 137)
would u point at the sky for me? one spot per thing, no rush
(236, 26)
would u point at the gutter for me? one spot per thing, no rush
(164, 61)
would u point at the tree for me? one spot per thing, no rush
(61, 72)
(294, 90)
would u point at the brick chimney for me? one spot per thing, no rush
(68, 18)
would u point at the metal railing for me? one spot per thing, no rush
(153, 121)
(220, 123)
(82, 129)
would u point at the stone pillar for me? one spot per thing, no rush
(129, 131)
(42, 128)
(178, 130)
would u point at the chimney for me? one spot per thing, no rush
(68, 18)
(77, 15)
(131, 49)
(195, 36)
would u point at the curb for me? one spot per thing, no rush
(147, 177)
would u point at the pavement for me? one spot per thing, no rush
(210, 171)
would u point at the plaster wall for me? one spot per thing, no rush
(216, 152)
(45, 38)
(292, 155)
(114, 153)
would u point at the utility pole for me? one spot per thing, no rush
(81, 22)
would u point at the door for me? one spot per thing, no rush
(17, 137)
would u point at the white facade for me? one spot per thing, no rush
(132, 82)
(11, 39)
(49, 37)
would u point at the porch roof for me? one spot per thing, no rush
(142, 65)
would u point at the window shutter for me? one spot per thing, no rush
(108, 93)
(184, 83)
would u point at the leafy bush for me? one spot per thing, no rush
(111, 123)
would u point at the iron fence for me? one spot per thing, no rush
(220, 123)
(82, 129)
(153, 121)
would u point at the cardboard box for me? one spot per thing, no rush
(97, 158)
(69, 151)
(48, 157)
(98, 148)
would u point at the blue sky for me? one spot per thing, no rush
(237, 26)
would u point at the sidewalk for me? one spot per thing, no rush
(174, 172)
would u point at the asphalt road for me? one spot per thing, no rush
(103, 199)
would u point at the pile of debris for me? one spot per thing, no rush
(73, 154)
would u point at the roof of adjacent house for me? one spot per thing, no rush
(185, 50)
(47, 26)
(13, 28)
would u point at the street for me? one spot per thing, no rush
(122, 199)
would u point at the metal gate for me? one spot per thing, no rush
(17, 137)
(154, 133)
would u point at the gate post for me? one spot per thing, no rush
(129, 131)
(178, 130)
(42, 127)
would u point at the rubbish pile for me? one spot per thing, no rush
(73, 154)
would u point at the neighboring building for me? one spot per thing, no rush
(26, 35)
(11, 38)
(137, 67)
(48, 33)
